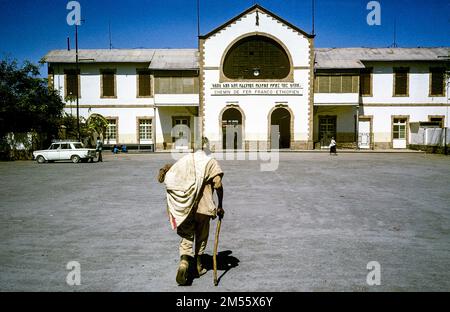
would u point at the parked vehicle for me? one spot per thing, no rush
(65, 150)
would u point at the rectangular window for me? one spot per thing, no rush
(439, 121)
(401, 81)
(108, 83)
(437, 85)
(72, 83)
(323, 84)
(347, 84)
(145, 129)
(144, 83)
(399, 128)
(365, 86)
(176, 85)
(336, 83)
(111, 130)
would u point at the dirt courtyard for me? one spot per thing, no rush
(313, 224)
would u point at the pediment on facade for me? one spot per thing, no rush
(255, 10)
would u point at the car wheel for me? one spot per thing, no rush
(40, 159)
(75, 159)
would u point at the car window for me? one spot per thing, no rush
(65, 146)
(78, 145)
(55, 146)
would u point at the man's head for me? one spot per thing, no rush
(162, 172)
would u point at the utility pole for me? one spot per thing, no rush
(313, 13)
(447, 83)
(78, 82)
(198, 19)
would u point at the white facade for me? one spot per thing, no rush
(306, 115)
(256, 109)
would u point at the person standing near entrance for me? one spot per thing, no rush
(333, 147)
(98, 149)
(190, 184)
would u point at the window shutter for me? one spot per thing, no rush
(176, 85)
(401, 82)
(437, 81)
(72, 83)
(324, 84)
(347, 82)
(355, 84)
(336, 84)
(108, 84)
(188, 85)
(365, 84)
(316, 84)
(144, 84)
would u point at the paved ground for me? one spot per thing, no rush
(312, 225)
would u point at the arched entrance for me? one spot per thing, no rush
(231, 129)
(281, 117)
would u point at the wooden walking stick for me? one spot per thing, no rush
(216, 245)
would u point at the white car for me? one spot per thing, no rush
(65, 150)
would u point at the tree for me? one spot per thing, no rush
(27, 105)
(90, 128)
(96, 125)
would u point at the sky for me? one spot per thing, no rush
(31, 28)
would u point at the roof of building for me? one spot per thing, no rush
(334, 58)
(168, 59)
(187, 59)
(256, 7)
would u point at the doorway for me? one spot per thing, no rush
(181, 132)
(327, 130)
(399, 133)
(364, 133)
(281, 117)
(232, 129)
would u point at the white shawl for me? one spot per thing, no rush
(183, 182)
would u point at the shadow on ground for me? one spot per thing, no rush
(225, 262)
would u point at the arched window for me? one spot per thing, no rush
(256, 57)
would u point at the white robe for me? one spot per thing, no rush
(183, 183)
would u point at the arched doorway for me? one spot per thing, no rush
(232, 129)
(281, 117)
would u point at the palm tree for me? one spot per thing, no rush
(96, 125)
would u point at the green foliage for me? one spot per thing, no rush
(27, 105)
(96, 124)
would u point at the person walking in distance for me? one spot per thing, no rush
(190, 184)
(98, 149)
(333, 147)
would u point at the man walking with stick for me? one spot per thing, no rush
(98, 149)
(190, 185)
